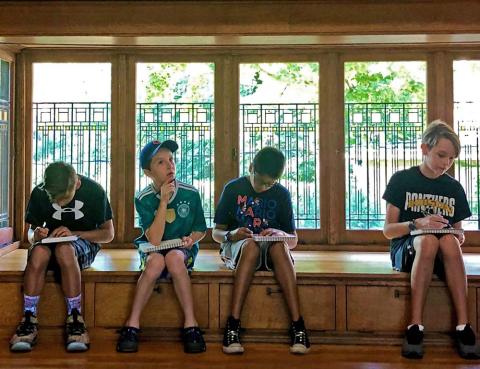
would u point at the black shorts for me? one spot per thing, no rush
(402, 254)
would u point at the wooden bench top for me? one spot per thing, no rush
(308, 264)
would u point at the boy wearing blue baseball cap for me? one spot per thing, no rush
(168, 209)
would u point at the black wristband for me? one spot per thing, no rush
(411, 225)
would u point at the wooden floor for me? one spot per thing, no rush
(49, 353)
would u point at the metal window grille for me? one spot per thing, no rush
(380, 139)
(77, 133)
(293, 129)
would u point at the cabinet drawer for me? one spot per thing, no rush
(51, 309)
(388, 309)
(265, 307)
(114, 300)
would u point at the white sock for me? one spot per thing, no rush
(460, 327)
(420, 327)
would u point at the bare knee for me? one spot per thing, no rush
(278, 249)
(450, 247)
(250, 250)
(39, 258)
(426, 247)
(175, 261)
(65, 255)
(154, 266)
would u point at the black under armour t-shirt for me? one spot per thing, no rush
(87, 211)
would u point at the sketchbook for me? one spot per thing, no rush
(417, 232)
(57, 240)
(147, 247)
(259, 238)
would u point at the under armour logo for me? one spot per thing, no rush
(76, 210)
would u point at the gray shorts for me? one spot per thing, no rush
(230, 252)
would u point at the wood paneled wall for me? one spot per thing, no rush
(146, 18)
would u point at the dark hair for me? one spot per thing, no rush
(439, 129)
(58, 179)
(269, 161)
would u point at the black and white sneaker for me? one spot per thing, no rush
(299, 342)
(413, 343)
(231, 337)
(465, 341)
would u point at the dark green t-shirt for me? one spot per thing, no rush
(184, 213)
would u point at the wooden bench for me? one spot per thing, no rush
(348, 297)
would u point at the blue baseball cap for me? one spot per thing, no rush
(151, 149)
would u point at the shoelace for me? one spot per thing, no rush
(300, 337)
(128, 334)
(194, 333)
(26, 327)
(232, 336)
(75, 328)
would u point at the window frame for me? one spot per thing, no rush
(332, 233)
(9, 57)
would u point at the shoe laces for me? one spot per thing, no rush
(233, 331)
(26, 326)
(129, 333)
(76, 327)
(193, 334)
(467, 336)
(299, 333)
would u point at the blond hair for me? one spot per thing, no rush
(439, 129)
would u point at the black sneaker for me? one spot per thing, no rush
(77, 338)
(128, 340)
(26, 334)
(193, 342)
(231, 337)
(299, 342)
(413, 343)
(466, 343)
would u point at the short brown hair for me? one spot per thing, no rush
(59, 179)
(439, 129)
(269, 161)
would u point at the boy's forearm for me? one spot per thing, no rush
(197, 236)
(218, 234)
(96, 235)
(156, 230)
(395, 230)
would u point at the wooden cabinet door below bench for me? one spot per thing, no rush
(114, 300)
(387, 308)
(265, 307)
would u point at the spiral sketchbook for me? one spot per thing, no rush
(147, 247)
(259, 238)
(417, 232)
(57, 240)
